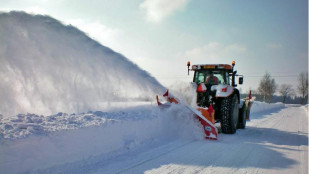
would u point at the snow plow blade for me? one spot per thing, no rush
(204, 115)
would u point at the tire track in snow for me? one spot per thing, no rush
(151, 159)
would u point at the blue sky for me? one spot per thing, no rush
(161, 36)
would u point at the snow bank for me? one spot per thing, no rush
(35, 142)
(24, 125)
(47, 67)
(258, 107)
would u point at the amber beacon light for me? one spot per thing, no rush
(188, 65)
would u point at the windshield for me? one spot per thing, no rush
(212, 77)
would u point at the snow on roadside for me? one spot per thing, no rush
(35, 142)
(23, 125)
(306, 108)
(260, 107)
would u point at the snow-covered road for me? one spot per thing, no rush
(274, 141)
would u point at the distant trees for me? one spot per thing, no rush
(285, 91)
(302, 87)
(267, 87)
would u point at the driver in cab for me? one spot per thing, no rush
(211, 79)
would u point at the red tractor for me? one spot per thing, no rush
(216, 87)
(218, 99)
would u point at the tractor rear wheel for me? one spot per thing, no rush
(242, 117)
(229, 114)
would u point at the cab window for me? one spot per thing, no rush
(203, 75)
(199, 77)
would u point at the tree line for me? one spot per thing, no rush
(287, 94)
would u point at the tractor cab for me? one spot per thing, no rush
(212, 74)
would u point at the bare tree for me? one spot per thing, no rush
(267, 87)
(302, 87)
(285, 91)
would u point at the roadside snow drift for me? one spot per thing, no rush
(35, 142)
(47, 67)
(262, 107)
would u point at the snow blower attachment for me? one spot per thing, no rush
(204, 115)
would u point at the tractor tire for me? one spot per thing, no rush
(242, 117)
(248, 111)
(229, 114)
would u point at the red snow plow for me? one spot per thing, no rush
(218, 99)
(205, 115)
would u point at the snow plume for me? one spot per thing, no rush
(185, 92)
(47, 67)
(178, 122)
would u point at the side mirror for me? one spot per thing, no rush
(241, 80)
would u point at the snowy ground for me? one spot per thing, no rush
(144, 139)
